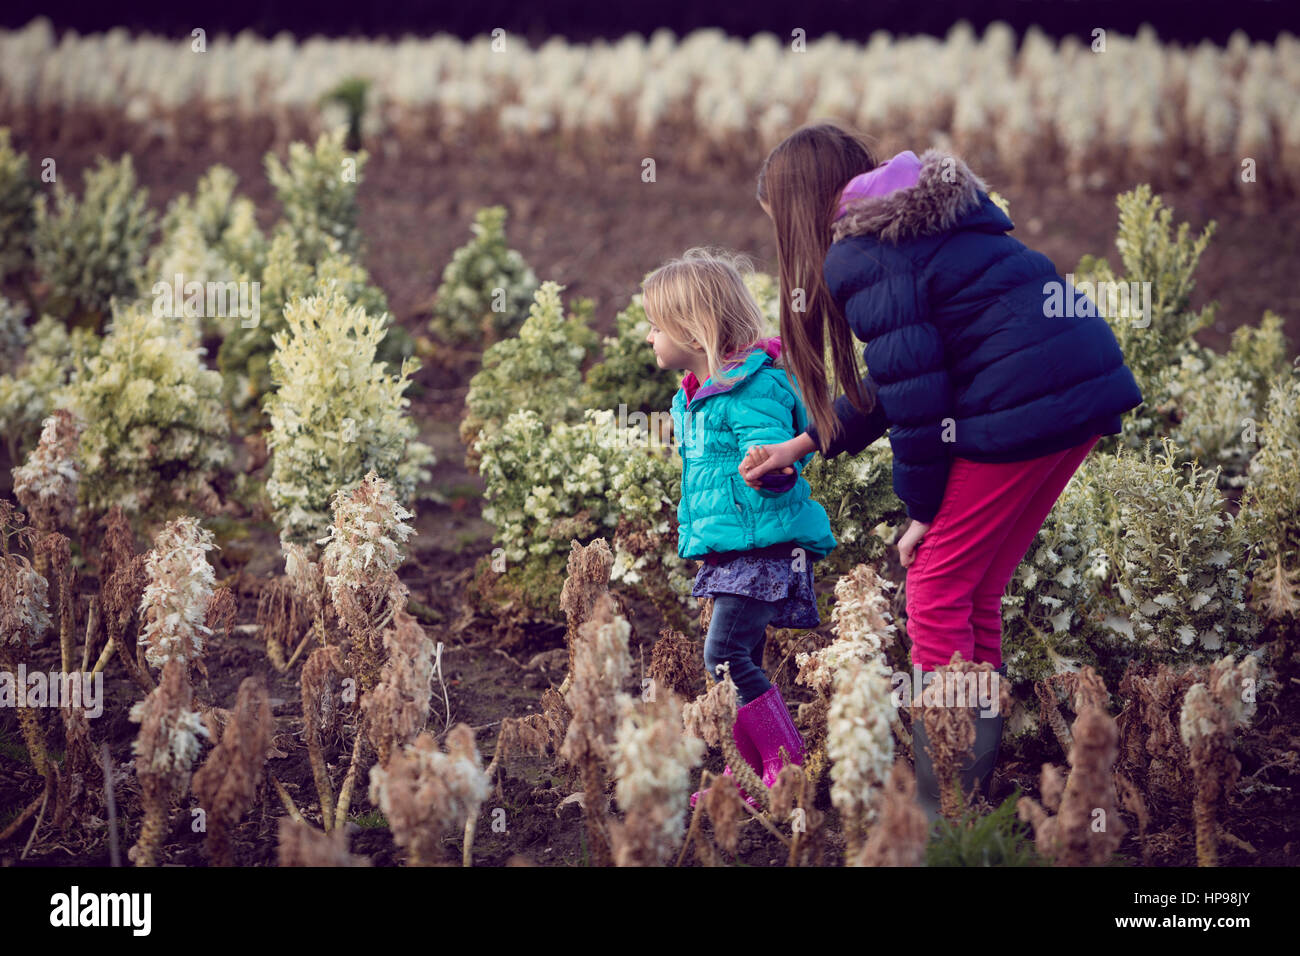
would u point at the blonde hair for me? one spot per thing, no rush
(701, 297)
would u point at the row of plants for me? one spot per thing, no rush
(1088, 110)
(307, 359)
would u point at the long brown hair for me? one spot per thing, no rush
(801, 181)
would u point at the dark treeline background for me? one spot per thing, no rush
(1185, 21)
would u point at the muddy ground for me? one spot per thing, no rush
(596, 230)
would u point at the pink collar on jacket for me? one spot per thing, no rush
(897, 172)
(690, 383)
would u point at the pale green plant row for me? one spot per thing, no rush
(319, 360)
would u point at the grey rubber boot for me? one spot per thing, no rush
(984, 757)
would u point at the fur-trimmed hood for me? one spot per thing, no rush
(944, 191)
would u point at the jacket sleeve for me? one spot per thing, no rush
(768, 418)
(858, 429)
(886, 307)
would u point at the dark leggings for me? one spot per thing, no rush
(737, 633)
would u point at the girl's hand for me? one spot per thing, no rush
(761, 459)
(907, 544)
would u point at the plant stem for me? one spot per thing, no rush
(287, 800)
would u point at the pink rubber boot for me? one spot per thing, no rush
(766, 721)
(750, 753)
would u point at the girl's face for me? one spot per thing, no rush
(670, 354)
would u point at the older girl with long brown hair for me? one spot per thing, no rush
(991, 397)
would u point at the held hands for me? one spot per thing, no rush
(761, 459)
(911, 538)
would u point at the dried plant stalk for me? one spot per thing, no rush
(47, 484)
(319, 711)
(1050, 713)
(588, 578)
(1211, 714)
(677, 663)
(81, 774)
(652, 761)
(55, 555)
(175, 599)
(539, 734)
(900, 834)
(228, 781)
(1086, 828)
(397, 708)
(221, 610)
(359, 568)
(122, 579)
(1152, 753)
(425, 793)
(280, 618)
(301, 844)
(24, 617)
(724, 807)
(860, 742)
(863, 633)
(601, 667)
(792, 795)
(164, 752)
(950, 730)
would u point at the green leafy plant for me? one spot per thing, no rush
(766, 290)
(993, 839)
(92, 250)
(857, 492)
(1216, 399)
(226, 222)
(1151, 252)
(318, 189)
(13, 334)
(540, 369)
(486, 289)
(546, 486)
(628, 374)
(155, 432)
(245, 354)
(350, 94)
(211, 237)
(1139, 561)
(1178, 560)
(336, 413)
(371, 820)
(34, 388)
(17, 209)
(1270, 503)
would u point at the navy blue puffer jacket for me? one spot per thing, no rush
(962, 358)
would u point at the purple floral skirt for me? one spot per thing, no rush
(767, 579)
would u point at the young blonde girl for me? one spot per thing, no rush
(990, 396)
(757, 545)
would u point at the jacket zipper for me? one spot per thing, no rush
(746, 530)
(686, 505)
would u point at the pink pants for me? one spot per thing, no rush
(986, 522)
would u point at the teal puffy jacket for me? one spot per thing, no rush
(718, 510)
